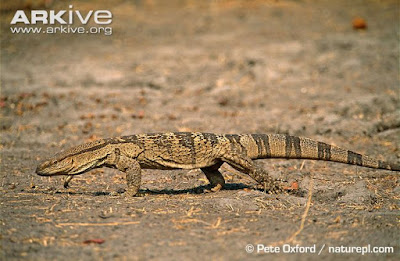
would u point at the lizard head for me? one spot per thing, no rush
(73, 161)
(71, 165)
(55, 166)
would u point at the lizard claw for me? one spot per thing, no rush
(217, 188)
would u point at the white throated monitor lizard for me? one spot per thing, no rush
(190, 150)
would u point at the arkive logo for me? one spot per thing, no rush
(62, 22)
(63, 17)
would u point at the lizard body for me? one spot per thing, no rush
(190, 150)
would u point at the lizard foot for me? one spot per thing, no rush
(216, 188)
(126, 193)
(133, 193)
(271, 187)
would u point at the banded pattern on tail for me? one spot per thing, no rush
(262, 146)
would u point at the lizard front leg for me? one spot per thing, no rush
(130, 167)
(133, 174)
(67, 180)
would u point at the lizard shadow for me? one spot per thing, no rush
(193, 191)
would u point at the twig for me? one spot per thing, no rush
(303, 218)
(302, 164)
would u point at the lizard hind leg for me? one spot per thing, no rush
(246, 165)
(215, 177)
(265, 180)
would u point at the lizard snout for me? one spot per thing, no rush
(41, 168)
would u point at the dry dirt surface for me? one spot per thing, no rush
(300, 67)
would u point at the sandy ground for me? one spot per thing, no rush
(296, 67)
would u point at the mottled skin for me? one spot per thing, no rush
(187, 150)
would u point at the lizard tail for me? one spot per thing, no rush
(292, 147)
